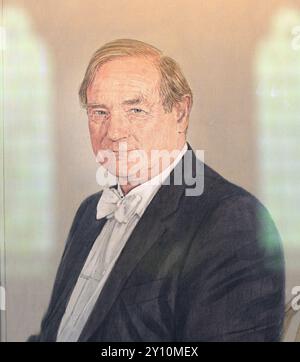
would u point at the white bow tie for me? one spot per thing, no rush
(111, 204)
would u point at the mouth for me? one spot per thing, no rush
(123, 152)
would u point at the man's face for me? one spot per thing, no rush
(125, 108)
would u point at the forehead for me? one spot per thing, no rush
(125, 77)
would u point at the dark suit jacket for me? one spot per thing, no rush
(195, 268)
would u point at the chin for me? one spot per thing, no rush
(134, 176)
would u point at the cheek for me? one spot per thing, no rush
(156, 130)
(97, 134)
(163, 134)
(96, 139)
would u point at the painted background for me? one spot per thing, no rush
(242, 60)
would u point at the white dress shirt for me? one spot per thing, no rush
(102, 257)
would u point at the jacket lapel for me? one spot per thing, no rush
(150, 228)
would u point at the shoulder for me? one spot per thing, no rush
(89, 201)
(229, 200)
(236, 222)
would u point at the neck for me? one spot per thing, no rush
(126, 188)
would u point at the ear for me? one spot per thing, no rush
(182, 110)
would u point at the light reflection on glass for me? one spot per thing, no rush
(28, 137)
(277, 71)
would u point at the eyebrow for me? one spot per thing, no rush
(133, 101)
(130, 102)
(95, 105)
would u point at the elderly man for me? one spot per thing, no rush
(144, 259)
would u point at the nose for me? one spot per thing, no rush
(118, 127)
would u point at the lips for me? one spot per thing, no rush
(121, 154)
(123, 151)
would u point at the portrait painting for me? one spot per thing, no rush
(150, 159)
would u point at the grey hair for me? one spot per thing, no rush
(173, 84)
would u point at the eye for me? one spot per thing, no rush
(100, 112)
(137, 110)
(98, 115)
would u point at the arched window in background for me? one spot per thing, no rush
(28, 139)
(277, 71)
